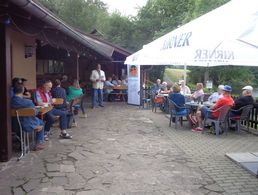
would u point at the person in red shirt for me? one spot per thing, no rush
(225, 100)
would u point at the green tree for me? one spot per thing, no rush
(235, 76)
(119, 30)
(85, 15)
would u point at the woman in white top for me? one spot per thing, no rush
(184, 89)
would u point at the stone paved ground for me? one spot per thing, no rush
(121, 149)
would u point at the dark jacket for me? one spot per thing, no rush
(243, 101)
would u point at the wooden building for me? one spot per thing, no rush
(35, 44)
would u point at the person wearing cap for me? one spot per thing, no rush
(216, 95)
(225, 100)
(244, 100)
(26, 93)
(184, 90)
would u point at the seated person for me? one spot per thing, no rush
(59, 92)
(216, 95)
(165, 88)
(74, 91)
(115, 80)
(30, 123)
(26, 93)
(244, 100)
(15, 81)
(109, 88)
(155, 89)
(198, 94)
(44, 97)
(184, 89)
(178, 98)
(119, 82)
(225, 100)
(65, 82)
(125, 81)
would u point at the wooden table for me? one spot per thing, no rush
(120, 91)
(43, 111)
(120, 87)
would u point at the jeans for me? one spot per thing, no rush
(40, 134)
(50, 119)
(97, 93)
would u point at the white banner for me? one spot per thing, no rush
(134, 75)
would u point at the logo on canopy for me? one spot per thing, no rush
(214, 55)
(181, 40)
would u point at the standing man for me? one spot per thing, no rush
(98, 78)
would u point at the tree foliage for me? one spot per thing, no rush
(237, 77)
(155, 19)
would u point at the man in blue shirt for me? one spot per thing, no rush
(156, 87)
(30, 123)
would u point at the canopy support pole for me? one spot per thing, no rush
(185, 73)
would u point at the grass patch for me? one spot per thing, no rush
(174, 75)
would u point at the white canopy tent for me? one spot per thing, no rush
(227, 35)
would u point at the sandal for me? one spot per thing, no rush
(65, 136)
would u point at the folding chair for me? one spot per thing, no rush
(221, 120)
(244, 116)
(24, 135)
(177, 113)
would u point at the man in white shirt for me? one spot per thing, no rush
(216, 95)
(98, 78)
(185, 90)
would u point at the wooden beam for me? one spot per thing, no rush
(5, 114)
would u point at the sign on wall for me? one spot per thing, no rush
(133, 84)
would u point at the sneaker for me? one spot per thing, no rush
(198, 129)
(194, 130)
(46, 137)
(101, 105)
(65, 136)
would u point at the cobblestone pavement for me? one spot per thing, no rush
(122, 149)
